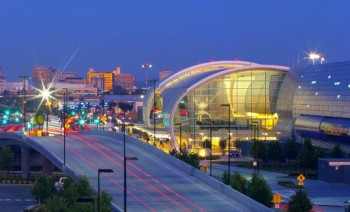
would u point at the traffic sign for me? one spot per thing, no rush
(301, 179)
(103, 118)
(205, 168)
(276, 198)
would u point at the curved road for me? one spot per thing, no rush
(153, 184)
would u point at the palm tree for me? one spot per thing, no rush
(223, 143)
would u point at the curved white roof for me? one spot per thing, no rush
(174, 88)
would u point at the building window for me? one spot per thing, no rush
(336, 83)
(313, 82)
(338, 96)
(329, 76)
(316, 93)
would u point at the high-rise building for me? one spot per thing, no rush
(2, 78)
(116, 70)
(102, 80)
(164, 74)
(126, 81)
(41, 75)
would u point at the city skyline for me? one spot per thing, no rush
(173, 35)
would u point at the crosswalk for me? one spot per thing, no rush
(17, 200)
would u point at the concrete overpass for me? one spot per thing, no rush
(156, 181)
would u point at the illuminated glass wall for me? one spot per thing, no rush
(252, 96)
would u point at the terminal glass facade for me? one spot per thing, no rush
(252, 97)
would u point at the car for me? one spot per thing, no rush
(234, 154)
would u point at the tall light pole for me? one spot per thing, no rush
(229, 141)
(180, 134)
(64, 128)
(147, 66)
(25, 81)
(98, 187)
(211, 148)
(48, 104)
(154, 106)
(125, 159)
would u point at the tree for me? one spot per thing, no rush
(260, 191)
(191, 159)
(290, 150)
(299, 202)
(6, 93)
(223, 144)
(57, 204)
(224, 177)
(318, 153)
(206, 144)
(106, 200)
(43, 189)
(305, 157)
(274, 151)
(125, 106)
(6, 161)
(257, 150)
(337, 152)
(238, 182)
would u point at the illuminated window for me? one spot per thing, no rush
(313, 82)
(302, 76)
(316, 93)
(338, 96)
(300, 86)
(329, 76)
(336, 83)
(348, 85)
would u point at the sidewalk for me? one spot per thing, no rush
(321, 193)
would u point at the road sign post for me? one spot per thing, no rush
(301, 179)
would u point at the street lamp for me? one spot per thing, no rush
(85, 199)
(229, 140)
(211, 149)
(147, 66)
(48, 104)
(154, 106)
(256, 138)
(25, 81)
(180, 134)
(98, 186)
(123, 125)
(64, 129)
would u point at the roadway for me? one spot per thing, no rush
(153, 184)
(14, 198)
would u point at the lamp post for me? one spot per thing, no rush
(180, 134)
(211, 148)
(48, 104)
(85, 199)
(256, 138)
(25, 81)
(229, 141)
(147, 66)
(154, 106)
(123, 125)
(64, 129)
(98, 187)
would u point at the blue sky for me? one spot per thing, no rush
(170, 34)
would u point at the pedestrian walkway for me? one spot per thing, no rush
(326, 196)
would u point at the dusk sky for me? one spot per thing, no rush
(170, 34)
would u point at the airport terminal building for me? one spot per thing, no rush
(246, 101)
